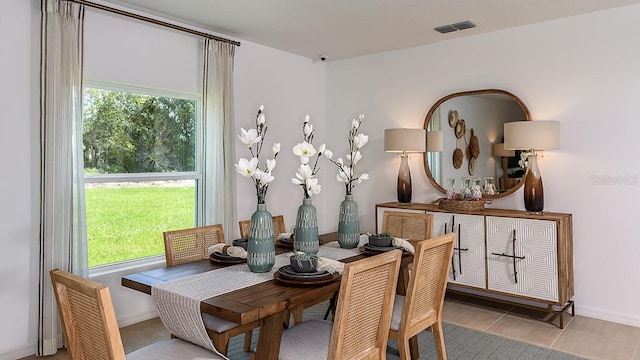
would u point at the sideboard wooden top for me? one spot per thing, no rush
(486, 212)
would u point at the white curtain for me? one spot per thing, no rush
(62, 222)
(219, 137)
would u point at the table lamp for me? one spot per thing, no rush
(500, 151)
(532, 136)
(404, 141)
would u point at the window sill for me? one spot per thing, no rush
(127, 266)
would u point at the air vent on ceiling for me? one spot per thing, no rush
(468, 24)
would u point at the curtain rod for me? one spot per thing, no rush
(154, 21)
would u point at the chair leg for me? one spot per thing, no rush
(438, 336)
(332, 306)
(247, 340)
(403, 348)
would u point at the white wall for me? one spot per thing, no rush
(568, 70)
(18, 183)
(581, 74)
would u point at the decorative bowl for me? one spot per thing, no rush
(241, 243)
(304, 263)
(380, 240)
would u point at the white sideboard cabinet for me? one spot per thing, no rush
(506, 255)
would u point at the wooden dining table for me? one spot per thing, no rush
(266, 301)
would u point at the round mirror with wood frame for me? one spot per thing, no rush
(472, 123)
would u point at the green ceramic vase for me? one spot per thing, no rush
(261, 251)
(348, 224)
(305, 237)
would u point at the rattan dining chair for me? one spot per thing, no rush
(406, 225)
(363, 315)
(278, 227)
(421, 308)
(91, 328)
(186, 245)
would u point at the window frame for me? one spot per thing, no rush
(196, 175)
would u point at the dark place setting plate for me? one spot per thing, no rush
(226, 259)
(372, 249)
(285, 243)
(304, 278)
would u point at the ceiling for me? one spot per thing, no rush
(342, 29)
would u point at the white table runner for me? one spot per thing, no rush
(178, 301)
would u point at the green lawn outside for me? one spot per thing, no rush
(127, 222)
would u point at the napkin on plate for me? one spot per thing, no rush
(403, 243)
(235, 251)
(285, 236)
(329, 265)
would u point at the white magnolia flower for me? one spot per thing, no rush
(246, 167)
(360, 140)
(304, 172)
(308, 169)
(313, 187)
(307, 129)
(342, 177)
(356, 157)
(249, 137)
(261, 175)
(261, 119)
(322, 148)
(271, 164)
(305, 150)
(328, 154)
(346, 171)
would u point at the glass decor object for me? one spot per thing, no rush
(451, 190)
(305, 238)
(532, 136)
(348, 224)
(261, 251)
(404, 141)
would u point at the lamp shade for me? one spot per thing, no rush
(537, 135)
(405, 140)
(500, 151)
(434, 141)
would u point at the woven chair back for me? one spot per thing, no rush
(405, 225)
(427, 284)
(278, 227)
(365, 303)
(187, 245)
(88, 318)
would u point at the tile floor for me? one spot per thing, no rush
(581, 336)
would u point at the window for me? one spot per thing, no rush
(142, 176)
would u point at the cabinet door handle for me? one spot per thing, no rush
(459, 248)
(513, 257)
(453, 266)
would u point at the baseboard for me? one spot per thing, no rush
(615, 317)
(136, 319)
(18, 353)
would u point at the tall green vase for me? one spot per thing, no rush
(261, 251)
(305, 237)
(348, 224)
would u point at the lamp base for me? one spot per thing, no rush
(404, 181)
(533, 190)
